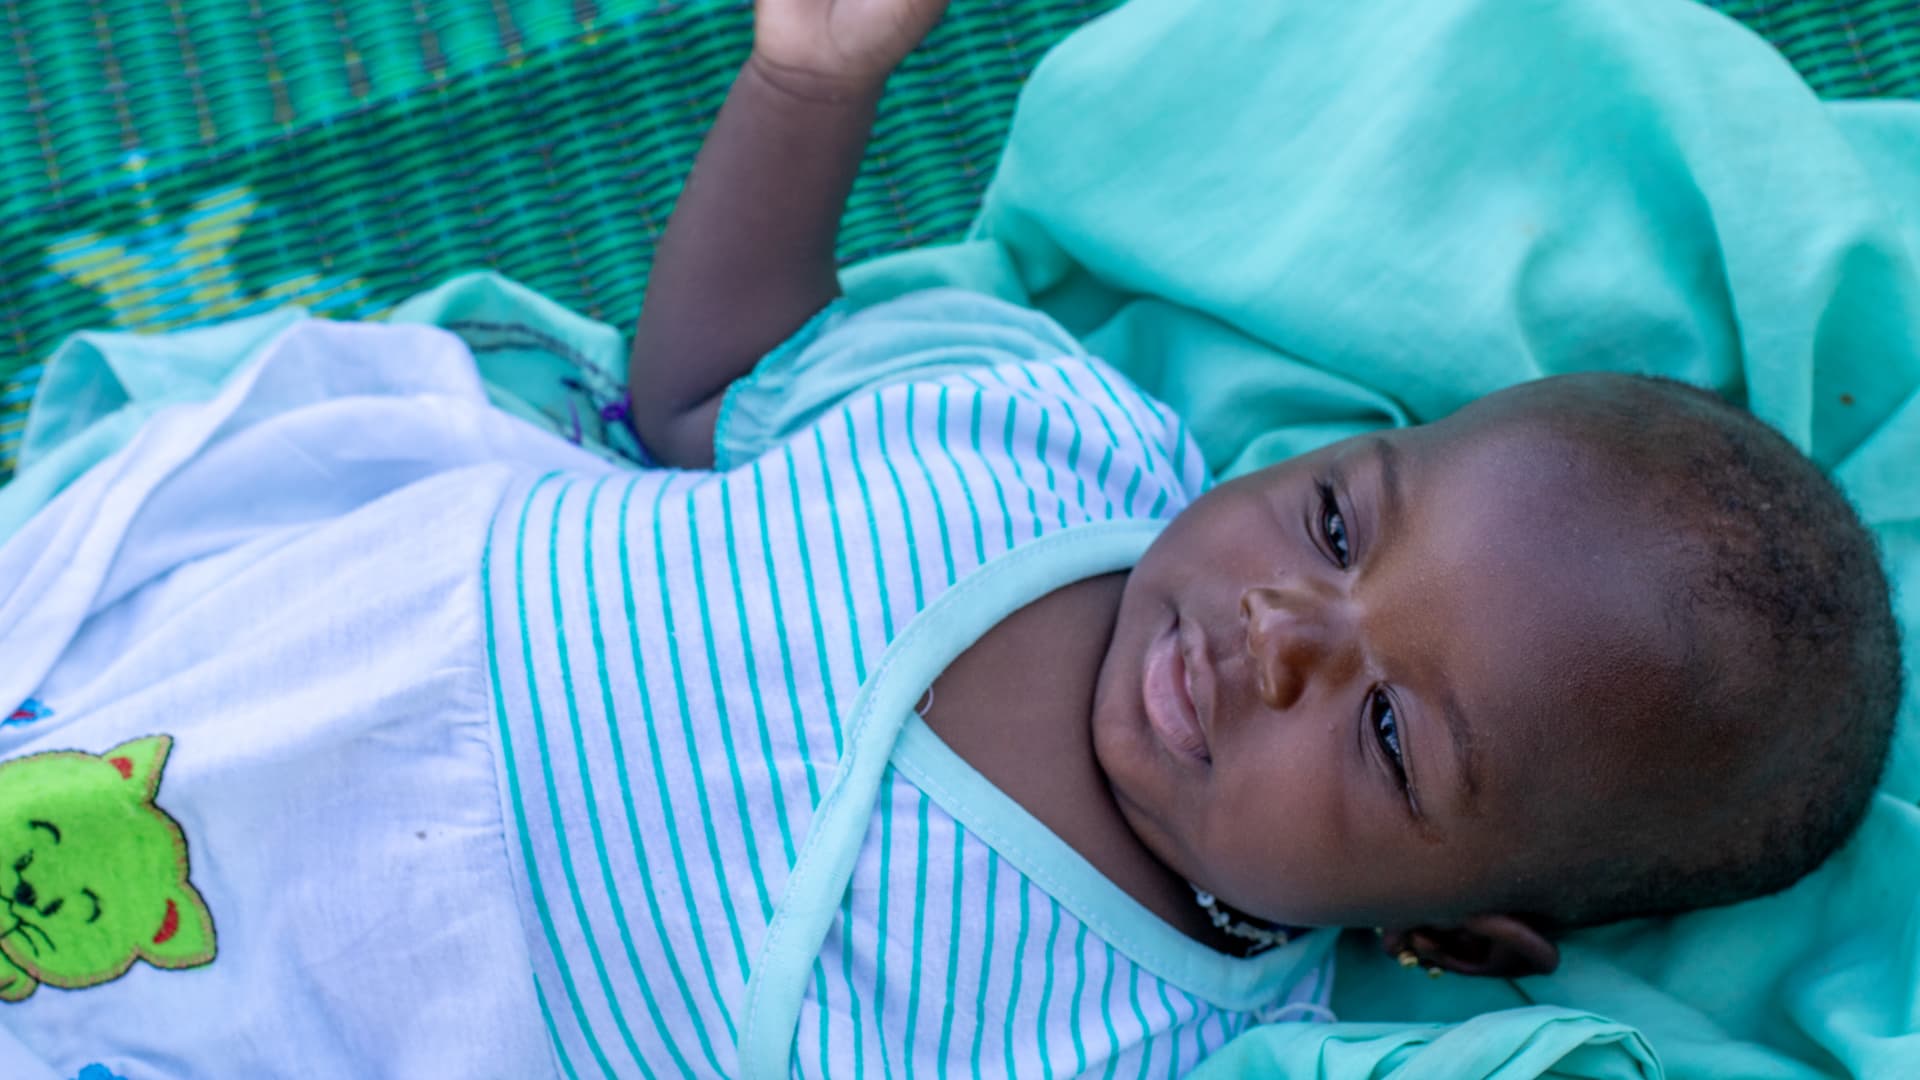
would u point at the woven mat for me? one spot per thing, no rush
(165, 163)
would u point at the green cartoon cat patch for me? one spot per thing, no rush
(93, 875)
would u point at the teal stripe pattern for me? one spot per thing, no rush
(980, 1001)
(1073, 1008)
(1010, 1042)
(521, 815)
(881, 941)
(786, 652)
(657, 759)
(628, 801)
(1047, 971)
(580, 749)
(608, 879)
(1173, 1031)
(720, 720)
(952, 996)
(671, 656)
(1106, 1013)
(704, 822)
(559, 1051)
(919, 918)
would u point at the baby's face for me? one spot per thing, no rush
(1379, 684)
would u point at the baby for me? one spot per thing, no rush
(925, 711)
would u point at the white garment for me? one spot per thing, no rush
(284, 582)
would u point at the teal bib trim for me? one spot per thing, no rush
(1123, 922)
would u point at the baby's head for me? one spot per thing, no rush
(1595, 647)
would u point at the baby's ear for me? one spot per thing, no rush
(1501, 946)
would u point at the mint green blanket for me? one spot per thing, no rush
(1299, 220)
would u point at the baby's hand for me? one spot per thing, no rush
(828, 49)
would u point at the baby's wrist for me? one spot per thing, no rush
(815, 87)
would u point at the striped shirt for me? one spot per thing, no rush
(739, 851)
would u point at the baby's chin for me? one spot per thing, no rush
(1161, 837)
(1115, 750)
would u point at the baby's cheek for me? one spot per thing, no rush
(1272, 833)
(1237, 843)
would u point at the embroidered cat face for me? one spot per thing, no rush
(93, 875)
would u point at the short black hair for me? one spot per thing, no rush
(1794, 679)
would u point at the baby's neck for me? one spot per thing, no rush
(1017, 706)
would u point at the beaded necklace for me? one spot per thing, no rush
(1258, 934)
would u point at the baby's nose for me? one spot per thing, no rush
(1292, 638)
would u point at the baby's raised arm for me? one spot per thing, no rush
(748, 254)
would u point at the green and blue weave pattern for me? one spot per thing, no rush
(172, 163)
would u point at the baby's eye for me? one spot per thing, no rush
(1386, 728)
(1333, 527)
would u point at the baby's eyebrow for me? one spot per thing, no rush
(1462, 733)
(52, 830)
(1392, 494)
